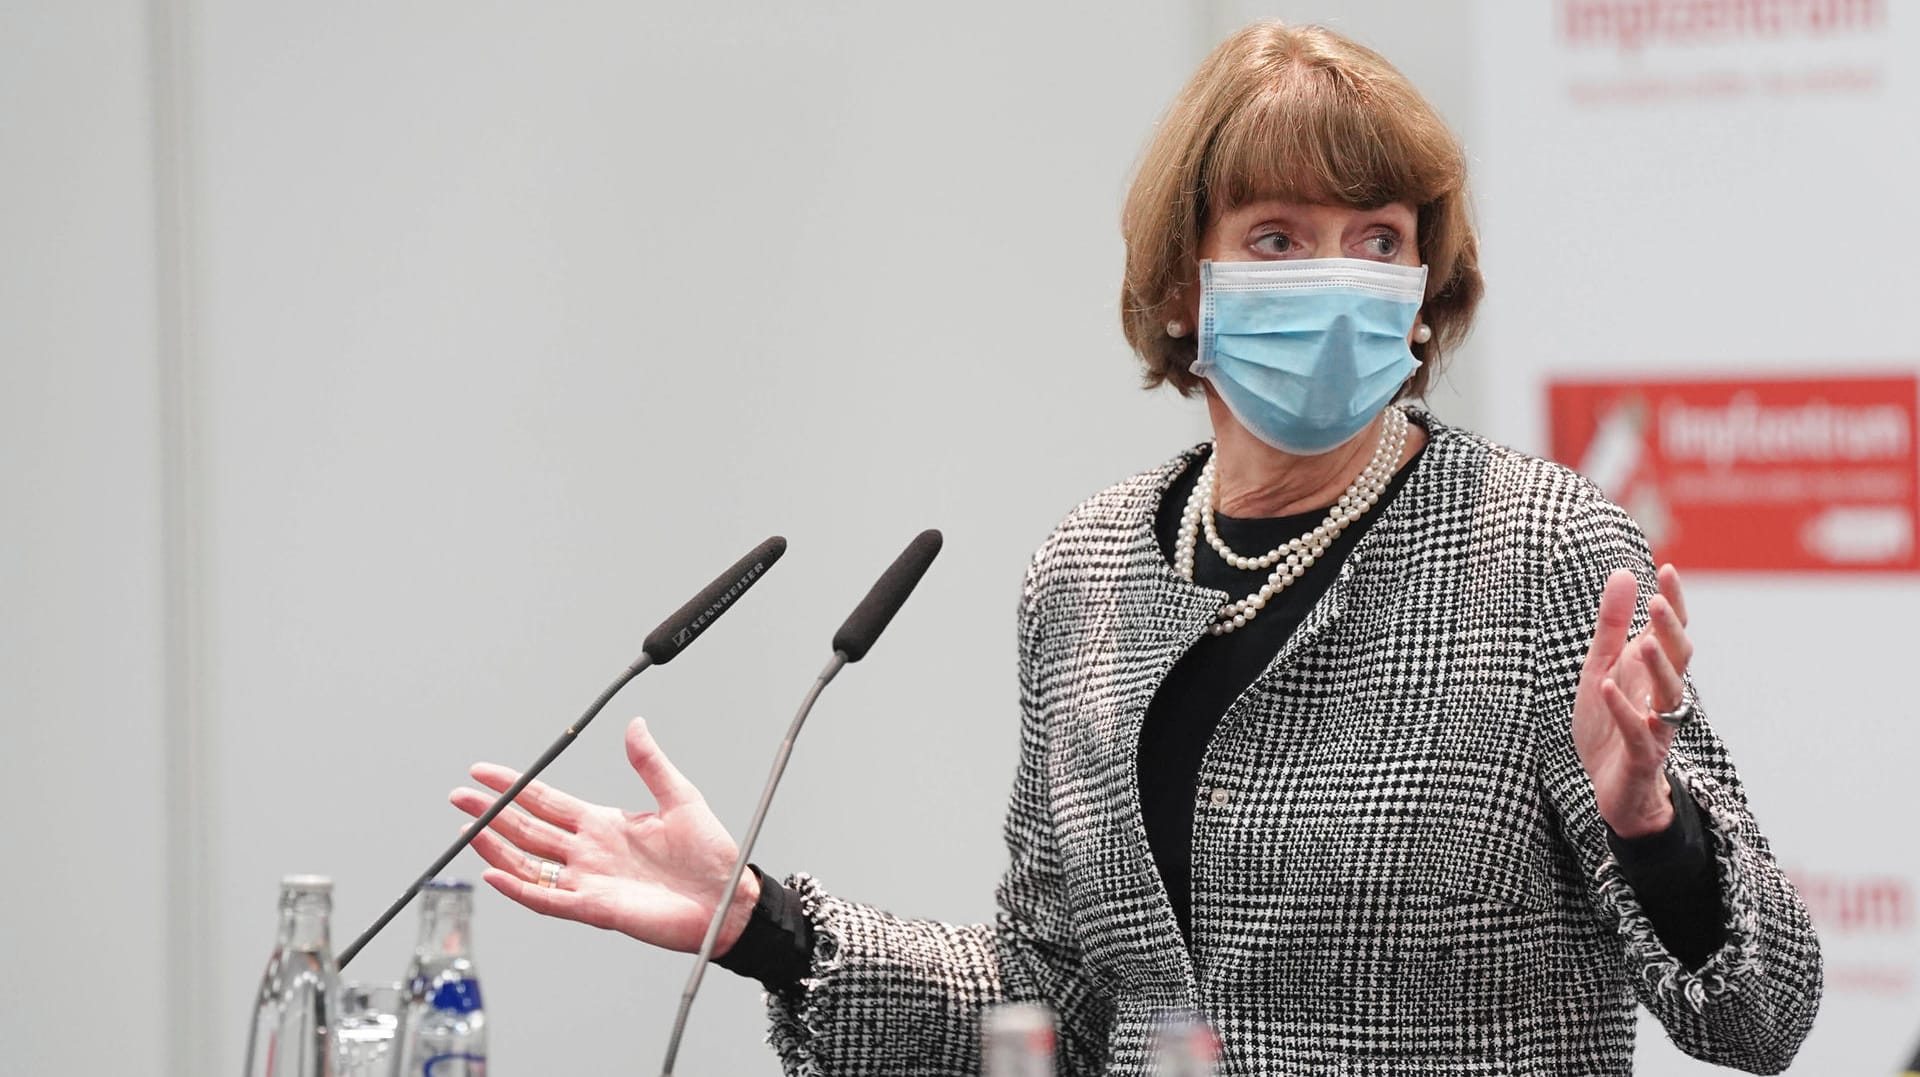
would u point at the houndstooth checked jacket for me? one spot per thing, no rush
(1398, 865)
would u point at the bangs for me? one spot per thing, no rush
(1320, 135)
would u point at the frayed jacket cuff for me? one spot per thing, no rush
(799, 1013)
(1664, 976)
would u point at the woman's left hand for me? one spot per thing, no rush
(1620, 741)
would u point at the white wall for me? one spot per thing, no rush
(520, 323)
(83, 938)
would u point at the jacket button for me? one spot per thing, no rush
(1219, 797)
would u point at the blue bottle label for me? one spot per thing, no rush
(455, 1065)
(457, 996)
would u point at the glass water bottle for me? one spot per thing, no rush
(443, 1030)
(294, 1014)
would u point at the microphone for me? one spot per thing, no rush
(855, 638)
(687, 622)
(661, 645)
(865, 623)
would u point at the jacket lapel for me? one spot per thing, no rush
(1157, 617)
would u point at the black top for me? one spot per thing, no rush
(1201, 686)
(1672, 872)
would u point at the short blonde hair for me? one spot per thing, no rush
(1301, 114)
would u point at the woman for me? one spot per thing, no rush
(1368, 737)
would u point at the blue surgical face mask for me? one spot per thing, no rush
(1307, 352)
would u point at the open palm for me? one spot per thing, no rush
(653, 875)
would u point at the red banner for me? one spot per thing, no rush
(1757, 475)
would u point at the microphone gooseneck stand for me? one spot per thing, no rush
(707, 944)
(856, 636)
(661, 645)
(499, 805)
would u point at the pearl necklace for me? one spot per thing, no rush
(1291, 559)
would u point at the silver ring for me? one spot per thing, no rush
(546, 873)
(1678, 716)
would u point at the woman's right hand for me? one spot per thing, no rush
(653, 875)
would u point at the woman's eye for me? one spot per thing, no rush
(1273, 243)
(1382, 245)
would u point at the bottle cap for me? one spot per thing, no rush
(448, 884)
(1016, 1030)
(1019, 1016)
(321, 883)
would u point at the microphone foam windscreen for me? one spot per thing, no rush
(870, 617)
(703, 609)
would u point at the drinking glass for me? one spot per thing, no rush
(369, 1017)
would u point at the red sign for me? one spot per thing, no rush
(1754, 475)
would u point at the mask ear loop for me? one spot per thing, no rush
(1422, 333)
(1201, 364)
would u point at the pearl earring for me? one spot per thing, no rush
(1422, 333)
(1176, 328)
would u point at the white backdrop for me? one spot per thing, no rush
(377, 374)
(522, 323)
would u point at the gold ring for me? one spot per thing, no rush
(549, 874)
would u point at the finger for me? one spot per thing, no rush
(1668, 688)
(565, 904)
(1645, 736)
(496, 851)
(1670, 588)
(541, 799)
(519, 827)
(521, 865)
(1612, 623)
(1670, 631)
(668, 786)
